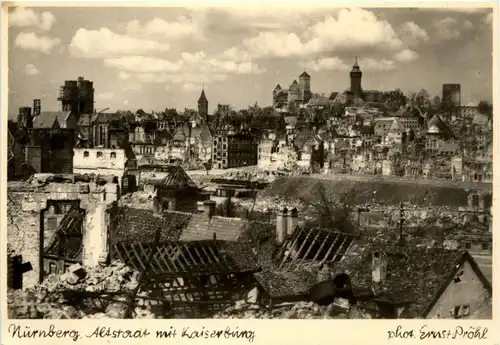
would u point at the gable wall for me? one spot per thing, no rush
(469, 291)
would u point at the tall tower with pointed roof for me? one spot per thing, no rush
(356, 75)
(203, 105)
(305, 87)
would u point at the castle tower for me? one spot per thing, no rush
(276, 91)
(305, 87)
(356, 75)
(203, 105)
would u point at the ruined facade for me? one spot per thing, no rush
(28, 217)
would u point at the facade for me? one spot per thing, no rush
(108, 162)
(234, 150)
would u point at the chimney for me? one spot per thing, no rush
(209, 208)
(281, 225)
(292, 221)
(379, 266)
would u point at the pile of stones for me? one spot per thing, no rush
(299, 310)
(52, 299)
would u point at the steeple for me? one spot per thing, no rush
(203, 105)
(202, 96)
(355, 67)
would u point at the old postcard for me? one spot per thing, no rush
(218, 163)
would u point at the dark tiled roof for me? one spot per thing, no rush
(201, 227)
(414, 274)
(140, 225)
(177, 178)
(47, 118)
(202, 96)
(333, 95)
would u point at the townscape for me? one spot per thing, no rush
(350, 204)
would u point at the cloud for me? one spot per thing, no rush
(168, 87)
(370, 64)
(406, 55)
(488, 19)
(352, 29)
(190, 68)
(467, 25)
(104, 43)
(143, 64)
(105, 96)
(189, 87)
(446, 29)
(329, 64)
(161, 29)
(31, 41)
(252, 18)
(22, 17)
(412, 34)
(30, 69)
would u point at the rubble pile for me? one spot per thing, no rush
(52, 299)
(299, 310)
(138, 199)
(257, 176)
(274, 203)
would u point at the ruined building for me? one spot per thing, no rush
(77, 96)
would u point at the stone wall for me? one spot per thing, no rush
(28, 201)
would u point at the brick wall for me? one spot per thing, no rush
(26, 204)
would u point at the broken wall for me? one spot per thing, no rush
(25, 211)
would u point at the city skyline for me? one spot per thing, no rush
(153, 58)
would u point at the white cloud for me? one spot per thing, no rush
(168, 87)
(459, 9)
(329, 64)
(467, 25)
(30, 69)
(189, 87)
(143, 64)
(406, 55)
(22, 17)
(104, 43)
(105, 96)
(275, 44)
(488, 19)
(31, 41)
(161, 29)
(351, 29)
(370, 64)
(446, 29)
(413, 34)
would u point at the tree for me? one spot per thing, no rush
(331, 213)
(485, 108)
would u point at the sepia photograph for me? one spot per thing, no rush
(249, 162)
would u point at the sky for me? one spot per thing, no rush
(153, 58)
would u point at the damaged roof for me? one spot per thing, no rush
(47, 119)
(177, 178)
(415, 274)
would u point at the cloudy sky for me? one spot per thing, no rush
(154, 58)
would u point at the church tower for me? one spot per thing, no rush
(356, 75)
(203, 106)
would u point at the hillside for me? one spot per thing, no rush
(383, 191)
